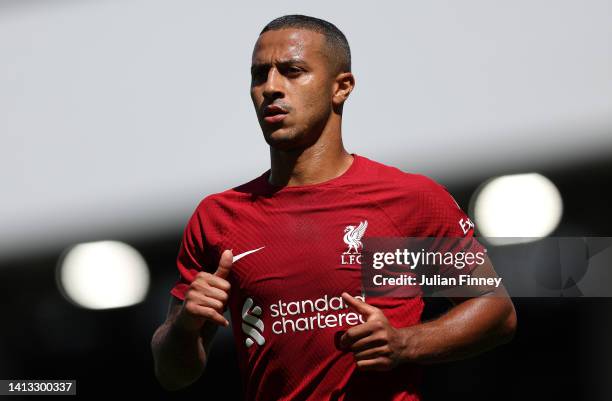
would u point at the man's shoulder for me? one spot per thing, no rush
(399, 179)
(236, 193)
(414, 200)
(424, 190)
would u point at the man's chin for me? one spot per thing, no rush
(281, 139)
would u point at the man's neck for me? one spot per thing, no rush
(308, 166)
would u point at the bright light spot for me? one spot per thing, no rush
(525, 207)
(103, 275)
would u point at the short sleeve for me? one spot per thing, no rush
(192, 254)
(443, 218)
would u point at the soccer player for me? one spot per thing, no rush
(282, 251)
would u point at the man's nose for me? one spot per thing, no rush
(273, 85)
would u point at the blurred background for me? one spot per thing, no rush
(118, 117)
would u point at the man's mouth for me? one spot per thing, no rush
(275, 118)
(274, 114)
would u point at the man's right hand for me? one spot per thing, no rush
(206, 297)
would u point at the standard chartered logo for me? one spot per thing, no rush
(311, 314)
(252, 325)
(297, 316)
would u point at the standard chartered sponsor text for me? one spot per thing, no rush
(307, 314)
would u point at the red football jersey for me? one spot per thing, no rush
(292, 262)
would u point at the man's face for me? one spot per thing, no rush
(290, 70)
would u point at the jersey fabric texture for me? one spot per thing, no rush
(285, 305)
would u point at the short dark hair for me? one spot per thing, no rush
(339, 52)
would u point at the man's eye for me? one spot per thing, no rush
(294, 70)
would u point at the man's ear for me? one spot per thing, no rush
(345, 82)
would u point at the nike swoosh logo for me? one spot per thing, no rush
(243, 254)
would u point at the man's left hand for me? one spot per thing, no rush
(376, 344)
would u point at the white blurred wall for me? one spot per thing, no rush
(119, 116)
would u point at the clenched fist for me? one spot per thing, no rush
(207, 296)
(375, 344)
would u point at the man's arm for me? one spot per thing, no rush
(481, 319)
(181, 345)
(180, 353)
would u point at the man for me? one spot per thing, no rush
(294, 287)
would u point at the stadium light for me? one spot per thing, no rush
(103, 275)
(516, 208)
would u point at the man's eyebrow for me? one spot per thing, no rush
(284, 62)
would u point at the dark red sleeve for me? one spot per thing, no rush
(442, 217)
(192, 254)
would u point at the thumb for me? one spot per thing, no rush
(225, 264)
(363, 308)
